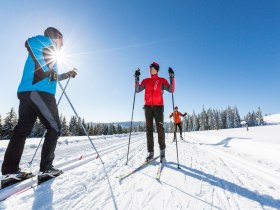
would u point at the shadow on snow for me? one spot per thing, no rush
(224, 142)
(264, 200)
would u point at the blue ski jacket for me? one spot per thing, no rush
(40, 67)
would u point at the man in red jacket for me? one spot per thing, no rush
(154, 105)
(177, 121)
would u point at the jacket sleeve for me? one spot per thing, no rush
(169, 87)
(183, 115)
(62, 76)
(58, 77)
(171, 115)
(139, 87)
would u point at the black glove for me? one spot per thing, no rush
(137, 74)
(171, 72)
(71, 73)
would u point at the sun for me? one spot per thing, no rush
(59, 56)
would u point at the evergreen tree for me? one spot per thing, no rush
(190, 123)
(9, 123)
(110, 129)
(254, 119)
(80, 131)
(203, 120)
(259, 116)
(185, 124)
(171, 127)
(105, 129)
(143, 128)
(97, 129)
(91, 129)
(38, 129)
(216, 120)
(115, 129)
(224, 119)
(73, 126)
(119, 129)
(64, 127)
(211, 119)
(236, 118)
(229, 118)
(248, 119)
(220, 119)
(195, 121)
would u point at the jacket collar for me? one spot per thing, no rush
(154, 76)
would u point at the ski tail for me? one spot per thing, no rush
(160, 167)
(141, 166)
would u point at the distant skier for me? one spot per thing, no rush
(36, 94)
(177, 121)
(154, 106)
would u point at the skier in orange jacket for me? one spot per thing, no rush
(177, 121)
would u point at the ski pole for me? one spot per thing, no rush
(137, 78)
(170, 126)
(185, 120)
(45, 132)
(98, 156)
(171, 71)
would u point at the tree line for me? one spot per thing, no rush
(73, 128)
(211, 119)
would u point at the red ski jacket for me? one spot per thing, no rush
(176, 116)
(154, 87)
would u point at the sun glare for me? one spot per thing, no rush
(59, 56)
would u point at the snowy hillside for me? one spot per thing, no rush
(272, 119)
(225, 169)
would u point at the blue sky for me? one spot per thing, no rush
(223, 52)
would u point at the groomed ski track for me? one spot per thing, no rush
(210, 178)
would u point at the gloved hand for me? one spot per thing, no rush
(171, 72)
(72, 73)
(137, 73)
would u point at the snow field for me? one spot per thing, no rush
(225, 169)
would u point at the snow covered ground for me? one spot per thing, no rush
(225, 169)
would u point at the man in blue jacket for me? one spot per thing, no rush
(36, 94)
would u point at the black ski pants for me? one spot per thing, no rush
(151, 113)
(180, 128)
(33, 104)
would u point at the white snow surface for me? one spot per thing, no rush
(272, 119)
(224, 169)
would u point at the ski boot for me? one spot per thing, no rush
(48, 174)
(150, 156)
(10, 179)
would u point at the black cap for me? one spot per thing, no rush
(53, 33)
